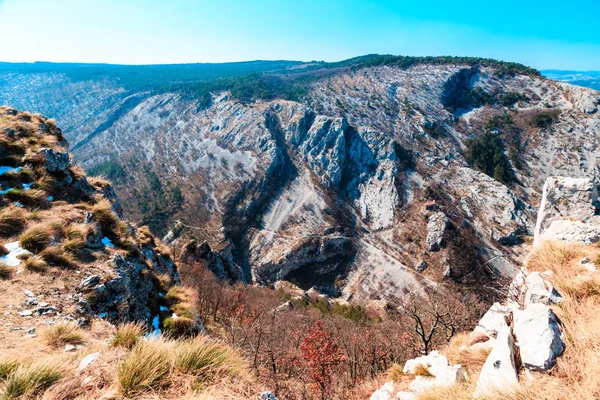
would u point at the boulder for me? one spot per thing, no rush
(540, 290)
(90, 281)
(538, 334)
(587, 232)
(440, 373)
(55, 161)
(386, 392)
(493, 320)
(499, 373)
(569, 200)
(436, 226)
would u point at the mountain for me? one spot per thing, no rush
(367, 178)
(590, 79)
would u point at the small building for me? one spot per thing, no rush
(431, 205)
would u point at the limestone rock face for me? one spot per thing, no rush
(538, 334)
(436, 226)
(219, 263)
(568, 206)
(499, 373)
(495, 209)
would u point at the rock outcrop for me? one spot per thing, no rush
(540, 339)
(436, 226)
(568, 211)
(499, 373)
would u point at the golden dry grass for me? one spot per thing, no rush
(575, 376)
(12, 220)
(27, 380)
(63, 333)
(157, 365)
(128, 335)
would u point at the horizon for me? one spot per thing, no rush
(249, 61)
(543, 35)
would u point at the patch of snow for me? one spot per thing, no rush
(18, 204)
(50, 198)
(27, 186)
(6, 191)
(102, 315)
(163, 308)
(161, 295)
(106, 241)
(11, 259)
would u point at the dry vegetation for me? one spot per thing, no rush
(575, 375)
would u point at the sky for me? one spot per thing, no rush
(542, 34)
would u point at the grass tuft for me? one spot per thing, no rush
(63, 333)
(57, 256)
(5, 271)
(128, 335)
(35, 264)
(12, 220)
(36, 238)
(29, 380)
(147, 368)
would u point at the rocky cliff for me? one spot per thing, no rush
(332, 191)
(65, 243)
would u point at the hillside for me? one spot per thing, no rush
(80, 286)
(322, 178)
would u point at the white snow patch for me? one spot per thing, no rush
(27, 186)
(11, 259)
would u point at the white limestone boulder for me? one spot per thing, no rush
(540, 290)
(440, 373)
(499, 373)
(493, 320)
(538, 334)
(386, 392)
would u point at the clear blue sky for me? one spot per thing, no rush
(542, 34)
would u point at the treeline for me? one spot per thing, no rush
(245, 80)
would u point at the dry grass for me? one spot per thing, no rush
(576, 374)
(12, 220)
(31, 198)
(3, 251)
(460, 351)
(106, 217)
(36, 238)
(147, 368)
(26, 380)
(57, 256)
(158, 365)
(5, 271)
(206, 359)
(179, 327)
(128, 335)
(63, 333)
(35, 264)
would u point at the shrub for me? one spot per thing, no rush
(36, 238)
(128, 335)
(543, 120)
(63, 333)
(28, 380)
(486, 153)
(147, 368)
(12, 220)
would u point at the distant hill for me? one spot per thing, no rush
(590, 79)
